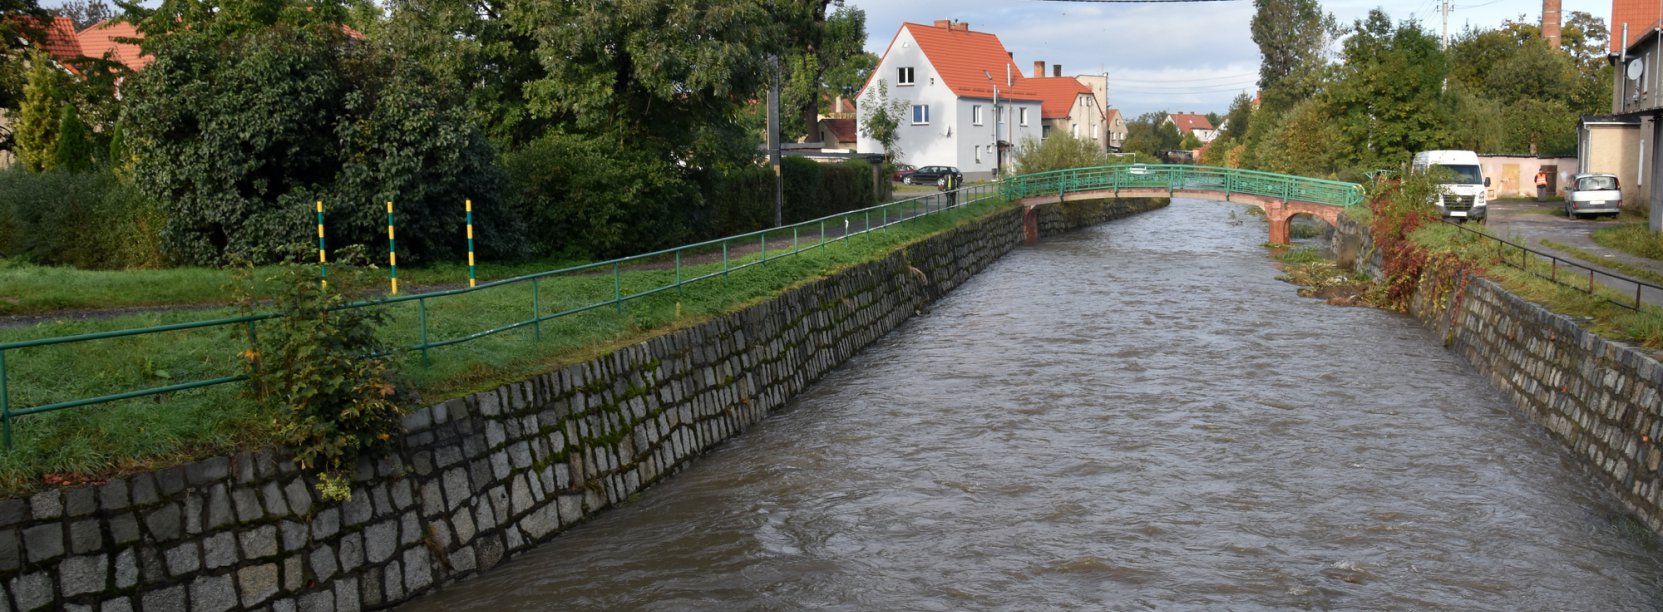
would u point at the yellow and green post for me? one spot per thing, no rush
(323, 261)
(392, 253)
(468, 206)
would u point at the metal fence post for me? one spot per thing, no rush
(618, 286)
(5, 402)
(421, 316)
(536, 311)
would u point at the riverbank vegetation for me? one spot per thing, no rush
(81, 443)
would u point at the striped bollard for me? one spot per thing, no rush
(392, 254)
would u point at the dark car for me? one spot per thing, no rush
(902, 170)
(928, 175)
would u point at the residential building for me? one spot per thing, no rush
(1115, 124)
(1612, 144)
(838, 134)
(965, 101)
(1637, 90)
(1193, 124)
(1067, 106)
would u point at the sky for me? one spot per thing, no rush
(1168, 56)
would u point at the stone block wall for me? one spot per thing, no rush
(1601, 399)
(475, 479)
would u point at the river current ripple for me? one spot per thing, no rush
(1134, 416)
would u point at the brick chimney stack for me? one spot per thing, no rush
(1056, 70)
(1039, 68)
(1550, 23)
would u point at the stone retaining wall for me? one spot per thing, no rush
(1602, 400)
(475, 479)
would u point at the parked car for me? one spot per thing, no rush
(902, 170)
(928, 175)
(1594, 194)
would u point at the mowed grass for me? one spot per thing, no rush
(28, 289)
(143, 432)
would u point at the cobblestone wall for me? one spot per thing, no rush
(1602, 400)
(475, 479)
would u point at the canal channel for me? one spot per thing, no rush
(1133, 416)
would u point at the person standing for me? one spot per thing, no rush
(1541, 185)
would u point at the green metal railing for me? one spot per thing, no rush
(1174, 178)
(735, 255)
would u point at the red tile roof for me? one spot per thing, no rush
(1057, 95)
(57, 38)
(1189, 122)
(970, 63)
(1640, 15)
(103, 40)
(843, 129)
(1109, 116)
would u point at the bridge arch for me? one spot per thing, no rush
(1280, 196)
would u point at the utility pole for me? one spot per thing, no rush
(1445, 8)
(774, 139)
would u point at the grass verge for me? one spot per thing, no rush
(1635, 239)
(88, 441)
(1590, 258)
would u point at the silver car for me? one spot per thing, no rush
(1594, 194)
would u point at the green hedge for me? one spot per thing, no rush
(83, 219)
(743, 201)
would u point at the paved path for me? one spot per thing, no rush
(1530, 223)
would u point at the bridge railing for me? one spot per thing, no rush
(1175, 177)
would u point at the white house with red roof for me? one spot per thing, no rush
(1192, 123)
(1069, 105)
(967, 102)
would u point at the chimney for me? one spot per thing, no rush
(1039, 68)
(1550, 22)
(945, 24)
(962, 26)
(1056, 70)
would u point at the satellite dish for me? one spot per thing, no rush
(1636, 68)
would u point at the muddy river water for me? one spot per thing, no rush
(1134, 416)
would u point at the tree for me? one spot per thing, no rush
(880, 120)
(44, 95)
(15, 33)
(1388, 94)
(85, 13)
(474, 42)
(73, 151)
(1190, 142)
(1238, 119)
(668, 77)
(823, 57)
(249, 115)
(1293, 38)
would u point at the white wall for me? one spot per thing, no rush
(921, 145)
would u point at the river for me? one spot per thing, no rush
(1134, 416)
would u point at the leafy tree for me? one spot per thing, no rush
(667, 77)
(1388, 95)
(1305, 140)
(880, 119)
(597, 196)
(85, 12)
(1293, 38)
(1190, 142)
(474, 42)
(15, 33)
(823, 57)
(250, 114)
(1150, 134)
(1059, 152)
(44, 95)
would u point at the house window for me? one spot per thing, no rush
(905, 78)
(976, 114)
(920, 114)
(1094, 133)
(1074, 130)
(1022, 116)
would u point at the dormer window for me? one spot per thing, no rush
(905, 76)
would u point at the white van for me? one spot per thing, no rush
(1463, 198)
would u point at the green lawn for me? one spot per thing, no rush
(1633, 237)
(133, 433)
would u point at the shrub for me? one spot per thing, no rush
(593, 197)
(318, 370)
(87, 220)
(1059, 152)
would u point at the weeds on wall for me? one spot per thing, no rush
(1398, 210)
(320, 370)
